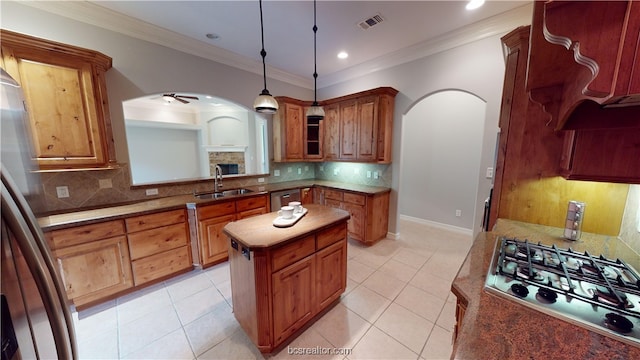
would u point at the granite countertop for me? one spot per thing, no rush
(259, 232)
(83, 217)
(497, 328)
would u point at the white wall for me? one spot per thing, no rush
(441, 147)
(161, 153)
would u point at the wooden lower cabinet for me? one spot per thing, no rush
(461, 308)
(213, 243)
(211, 219)
(369, 212)
(93, 260)
(159, 245)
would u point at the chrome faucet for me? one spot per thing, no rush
(217, 179)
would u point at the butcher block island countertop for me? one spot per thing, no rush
(496, 328)
(283, 279)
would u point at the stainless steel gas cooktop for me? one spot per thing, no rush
(587, 290)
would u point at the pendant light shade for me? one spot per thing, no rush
(264, 103)
(315, 112)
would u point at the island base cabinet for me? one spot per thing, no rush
(331, 275)
(293, 296)
(277, 291)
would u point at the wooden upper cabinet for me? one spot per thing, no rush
(348, 129)
(288, 130)
(585, 53)
(356, 127)
(367, 128)
(313, 138)
(65, 94)
(332, 132)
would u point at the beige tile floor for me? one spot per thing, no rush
(397, 305)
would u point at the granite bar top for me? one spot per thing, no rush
(497, 328)
(83, 217)
(259, 232)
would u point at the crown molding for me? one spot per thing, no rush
(93, 14)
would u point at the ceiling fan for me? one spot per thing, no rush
(173, 96)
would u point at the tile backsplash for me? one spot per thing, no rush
(95, 188)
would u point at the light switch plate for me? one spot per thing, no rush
(151, 192)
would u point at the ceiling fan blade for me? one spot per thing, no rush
(187, 97)
(181, 100)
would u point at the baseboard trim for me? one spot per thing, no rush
(457, 229)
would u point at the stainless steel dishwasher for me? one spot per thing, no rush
(282, 198)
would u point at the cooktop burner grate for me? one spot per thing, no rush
(587, 290)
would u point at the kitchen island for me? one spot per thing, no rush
(492, 327)
(283, 279)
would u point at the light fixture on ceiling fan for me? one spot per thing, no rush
(265, 103)
(315, 111)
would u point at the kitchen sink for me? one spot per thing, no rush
(236, 192)
(218, 195)
(213, 195)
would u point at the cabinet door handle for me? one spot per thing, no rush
(234, 244)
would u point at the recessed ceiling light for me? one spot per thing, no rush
(343, 55)
(474, 4)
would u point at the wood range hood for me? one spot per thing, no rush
(584, 63)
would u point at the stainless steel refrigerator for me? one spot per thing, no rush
(36, 315)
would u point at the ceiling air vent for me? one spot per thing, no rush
(372, 21)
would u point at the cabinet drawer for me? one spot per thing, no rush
(86, 233)
(333, 194)
(160, 265)
(251, 203)
(331, 235)
(210, 211)
(144, 222)
(293, 252)
(149, 242)
(355, 198)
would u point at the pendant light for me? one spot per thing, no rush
(315, 112)
(265, 103)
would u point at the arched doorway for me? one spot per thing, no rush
(441, 150)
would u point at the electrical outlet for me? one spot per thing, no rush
(458, 213)
(356, 171)
(260, 180)
(150, 192)
(276, 172)
(62, 191)
(489, 173)
(306, 168)
(289, 169)
(299, 171)
(375, 175)
(336, 171)
(369, 174)
(105, 184)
